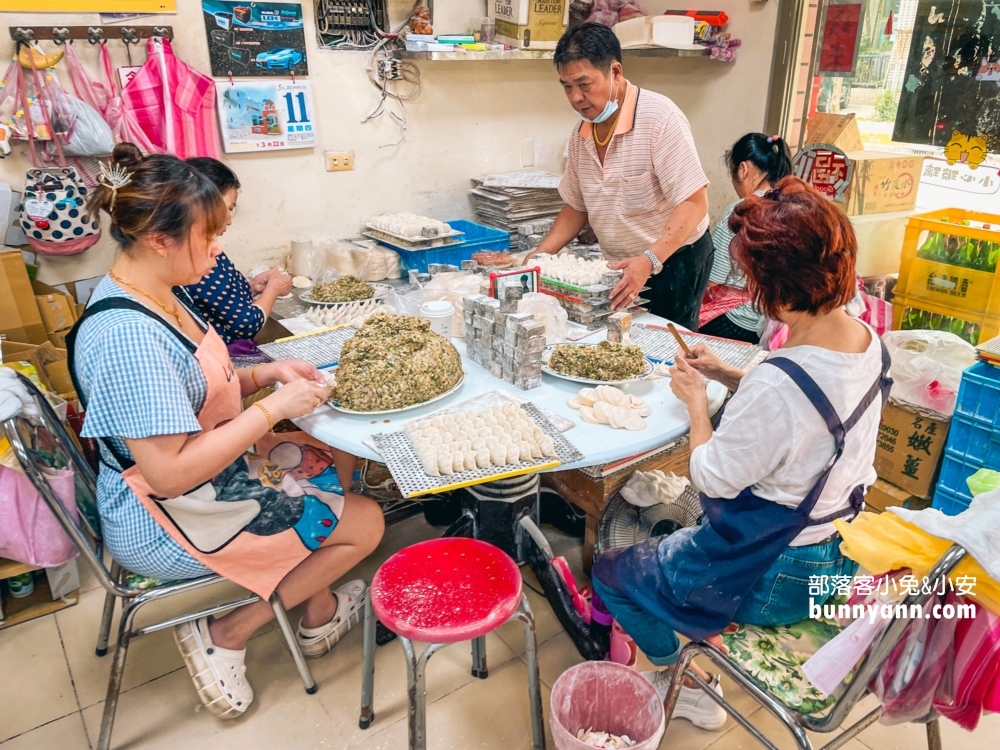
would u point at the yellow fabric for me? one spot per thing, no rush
(880, 542)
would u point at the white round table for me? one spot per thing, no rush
(599, 444)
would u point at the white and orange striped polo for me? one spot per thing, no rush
(650, 167)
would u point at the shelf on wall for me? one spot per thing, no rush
(531, 54)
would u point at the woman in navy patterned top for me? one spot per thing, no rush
(235, 307)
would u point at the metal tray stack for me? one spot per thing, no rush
(507, 200)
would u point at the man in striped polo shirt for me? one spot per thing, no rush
(634, 174)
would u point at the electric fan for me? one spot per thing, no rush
(625, 524)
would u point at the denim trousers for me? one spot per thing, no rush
(780, 597)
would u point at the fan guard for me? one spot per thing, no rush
(625, 524)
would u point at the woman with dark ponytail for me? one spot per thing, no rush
(179, 491)
(756, 163)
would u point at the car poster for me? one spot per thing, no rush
(269, 115)
(255, 39)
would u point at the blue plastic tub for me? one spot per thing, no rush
(476, 239)
(979, 394)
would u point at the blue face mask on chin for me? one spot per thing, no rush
(609, 109)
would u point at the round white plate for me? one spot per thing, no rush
(381, 291)
(338, 407)
(650, 367)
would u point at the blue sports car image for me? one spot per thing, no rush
(281, 58)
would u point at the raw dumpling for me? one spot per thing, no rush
(506, 439)
(548, 446)
(498, 455)
(536, 432)
(498, 431)
(524, 449)
(470, 460)
(492, 442)
(483, 458)
(536, 452)
(430, 464)
(513, 455)
(458, 460)
(464, 445)
(478, 423)
(478, 443)
(445, 464)
(509, 407)
(434, 438)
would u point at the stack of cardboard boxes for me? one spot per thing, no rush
(34, 321)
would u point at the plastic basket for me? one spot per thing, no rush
(949, 503)
(979, 394)
(476, 239)
(946, 263)
(909, 313)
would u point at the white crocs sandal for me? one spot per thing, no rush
(350, 601)
(218, 673)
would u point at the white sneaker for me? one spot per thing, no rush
(693, 704)
(350, 601)
(219, 674)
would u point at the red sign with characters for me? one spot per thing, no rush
(825, 167)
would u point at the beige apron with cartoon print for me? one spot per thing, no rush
(257, 519)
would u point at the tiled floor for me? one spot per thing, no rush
(52, 690)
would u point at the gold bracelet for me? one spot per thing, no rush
(270, 420)
(253, 375)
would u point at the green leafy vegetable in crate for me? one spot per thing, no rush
(395, 361)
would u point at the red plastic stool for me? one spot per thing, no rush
(441, 592)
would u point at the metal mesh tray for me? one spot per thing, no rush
(660, 346)
(320, 348)
(406, 469)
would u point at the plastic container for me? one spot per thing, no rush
(476, 238)
(945, 261)
(974, 438)
(440, 313)
(979, 394)
(606, 697)
(21, 586)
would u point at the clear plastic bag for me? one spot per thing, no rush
(452, 287)
(927, 367)
(548, 311)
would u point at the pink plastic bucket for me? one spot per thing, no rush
(606, 697)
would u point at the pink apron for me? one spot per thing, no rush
(260, 516)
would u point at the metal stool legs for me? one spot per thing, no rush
(479, 666)
(286, 630)
(416, 671)
(108, 614)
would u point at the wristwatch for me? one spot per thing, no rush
(657, 266)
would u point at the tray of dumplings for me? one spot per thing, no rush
(413, 231)
(472, 443)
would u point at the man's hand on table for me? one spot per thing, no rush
(636, 272)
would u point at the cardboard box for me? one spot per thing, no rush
(834, 130)
(531, 24)
(51, 364)
(910, 445)
(58, 309)
(19, 316)
(882, 495)
(882, 182)
(58, 338)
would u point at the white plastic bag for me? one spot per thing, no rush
(927, 367)
(548, 311)
(452, 287)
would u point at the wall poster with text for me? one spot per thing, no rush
(951, 87)
(265, 115)
(255, 38)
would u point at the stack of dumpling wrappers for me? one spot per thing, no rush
(608, 405)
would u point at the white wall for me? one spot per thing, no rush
(469, 120)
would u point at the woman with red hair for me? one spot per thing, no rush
(794, 451)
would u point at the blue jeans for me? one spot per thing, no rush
(780, 597)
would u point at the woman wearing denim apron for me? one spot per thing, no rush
(793, 451)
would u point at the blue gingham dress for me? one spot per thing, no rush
(138, 381)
